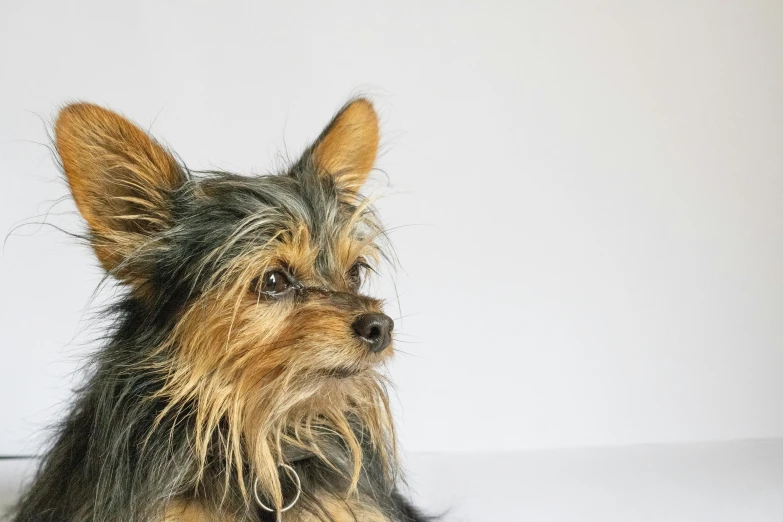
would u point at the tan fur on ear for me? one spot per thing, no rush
(119, 178)
(347, 147)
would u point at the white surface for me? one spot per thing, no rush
(719, 482)
(599, 186)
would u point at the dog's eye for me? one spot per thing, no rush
(274, 282)
(356, 272)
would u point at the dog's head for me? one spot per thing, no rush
(245, 292)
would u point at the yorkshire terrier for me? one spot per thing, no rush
(240, 380)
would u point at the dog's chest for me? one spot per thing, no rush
(351, 510)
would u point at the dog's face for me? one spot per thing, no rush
(248, 289)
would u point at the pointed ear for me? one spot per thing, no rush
(119, 177)
(347, 147)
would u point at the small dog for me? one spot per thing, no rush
(239, 381)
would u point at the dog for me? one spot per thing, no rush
(240, 380)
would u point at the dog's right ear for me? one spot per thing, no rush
(119, 177)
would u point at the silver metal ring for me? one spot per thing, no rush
(294, 501)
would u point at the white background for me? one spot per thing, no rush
(589, 196)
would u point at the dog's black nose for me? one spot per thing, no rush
(375, 330)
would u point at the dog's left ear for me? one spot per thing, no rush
(347, 147)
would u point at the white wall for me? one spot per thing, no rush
(594, 192)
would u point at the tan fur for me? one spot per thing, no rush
(258, 366)
(347, 148)
(352, 510)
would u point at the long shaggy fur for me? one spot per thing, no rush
(206, 384)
